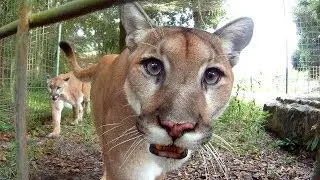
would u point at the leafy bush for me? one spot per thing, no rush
(288, 144)
(314, 142)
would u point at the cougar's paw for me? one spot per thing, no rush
(88, 111)
(53, 135)
(75, 122)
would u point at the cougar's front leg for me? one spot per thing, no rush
(77, 113)
(86, 105)
(56, 109)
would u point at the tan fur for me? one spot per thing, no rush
(71, 91)
(131, 106)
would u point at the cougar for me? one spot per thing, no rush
(66, 89)
(154, 104)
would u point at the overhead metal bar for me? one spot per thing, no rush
(64, 12)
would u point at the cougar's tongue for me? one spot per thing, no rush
(169, 151)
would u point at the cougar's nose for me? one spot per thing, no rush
(176, 130)
(54, 97)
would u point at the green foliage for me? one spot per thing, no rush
(314, 143)
(242, 125)
(204, 13)
(307, 22)
(289, 144)
(97, 31)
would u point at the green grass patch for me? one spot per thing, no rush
(38, 112)
(8, 168)
(39, 120)
(6, 111)
(242, 126)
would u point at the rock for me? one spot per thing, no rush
(293, 117)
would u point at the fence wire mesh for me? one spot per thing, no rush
(97, 33)
(306, 59)
(41, 57)
(7, 63)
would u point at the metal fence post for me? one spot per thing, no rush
(21, 88)
(286, 48)
(58, 49)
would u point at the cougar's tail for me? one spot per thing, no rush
(84, 74)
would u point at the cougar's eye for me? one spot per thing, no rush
(212, 76)
(153, 67)
(59, 87)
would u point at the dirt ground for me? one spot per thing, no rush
(73, 160)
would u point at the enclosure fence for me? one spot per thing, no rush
(38, 60)
(303, 67)
(302, 79)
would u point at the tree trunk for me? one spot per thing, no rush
(122, 37)
(197, 19)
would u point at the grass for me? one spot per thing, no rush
(241, 126)
(39, 125)
(6, 111)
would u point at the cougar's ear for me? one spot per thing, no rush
(135, 22)
(48, 78)
(235, 36)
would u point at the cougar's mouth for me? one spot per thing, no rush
(55, 97)
(170, 151)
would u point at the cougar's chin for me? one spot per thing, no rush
(168, 151)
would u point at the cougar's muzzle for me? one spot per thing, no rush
(55, 97)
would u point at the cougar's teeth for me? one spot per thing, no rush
(159, 147)
(180, 150)
(169, 151)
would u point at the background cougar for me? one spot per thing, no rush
(154, 104)
(66, 88)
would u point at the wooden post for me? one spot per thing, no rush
(21, 89)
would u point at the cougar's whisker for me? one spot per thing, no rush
(113, 124)
(137, 145)
(205, 162)
(218, 159)
(153, 46)
(135, 132)
(130, 116)
(209, 159)
(123, 142)
(108, 131)
(214, 156)
(223, 141)
(119, 91)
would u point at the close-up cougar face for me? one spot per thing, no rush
(154, 104)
